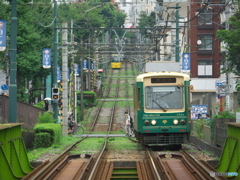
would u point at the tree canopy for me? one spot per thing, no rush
(35, 31)
(231, 37)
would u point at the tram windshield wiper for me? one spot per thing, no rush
(160, 106)
(164, 95)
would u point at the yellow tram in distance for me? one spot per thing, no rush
(116, 63)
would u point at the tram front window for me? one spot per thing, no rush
(164, 97)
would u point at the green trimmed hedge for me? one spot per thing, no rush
(41, 129)
(42, 140)
(88, 95)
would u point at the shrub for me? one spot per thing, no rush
(199, 127)
(88, 95)
(46, 117)
(42, 140)
(223, 114)
(40, 105)
(54, 131)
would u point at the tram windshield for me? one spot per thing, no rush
(164, 97)
(115, 59)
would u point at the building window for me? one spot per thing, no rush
(206, 43)
(205, 68)
(205, 17)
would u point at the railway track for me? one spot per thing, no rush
(99, 167)
(175, 166)
(67, 166)
(143, 169)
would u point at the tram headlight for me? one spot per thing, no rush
(182, 121)
(146, 122)
(175, 121)
(154, 122)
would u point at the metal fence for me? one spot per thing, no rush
(219, 134)
(26, 114)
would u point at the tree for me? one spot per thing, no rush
(35, 32)
(146, 21)
(232, 39)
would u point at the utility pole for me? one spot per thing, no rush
(65, 78)
(74, 93)
(228, 94)
(177, 31)
(82, 105)
(55, 60)
(12, 105)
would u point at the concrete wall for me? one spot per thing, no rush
(200, 98)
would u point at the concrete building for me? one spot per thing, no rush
(205, 18)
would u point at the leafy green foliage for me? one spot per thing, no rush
(198, 125)
(146, 21)
(42, 140)
(40, 105)
(54, 130)
(89, 97)
(65, 142)
(224, 115)
(46, 117)
(232, 38)
(35, 32)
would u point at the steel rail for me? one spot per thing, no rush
(153, 165)
(95, 167)
(205, 172)
(41, 173)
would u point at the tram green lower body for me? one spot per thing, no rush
(164, 132)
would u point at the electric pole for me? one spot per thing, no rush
(177, 31)
(55, 61)
(65, 78)
(12, 105)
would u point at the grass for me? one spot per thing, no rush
(56, 148)
(111, 132)
(104, 119)
(108, 104)
(124, 103)
(90, 145)
(122, 143)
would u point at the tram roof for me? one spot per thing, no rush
(164, 73)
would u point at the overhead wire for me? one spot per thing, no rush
(36, 18)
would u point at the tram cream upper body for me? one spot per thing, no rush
(141, 77)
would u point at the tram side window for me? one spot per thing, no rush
(139, 98)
